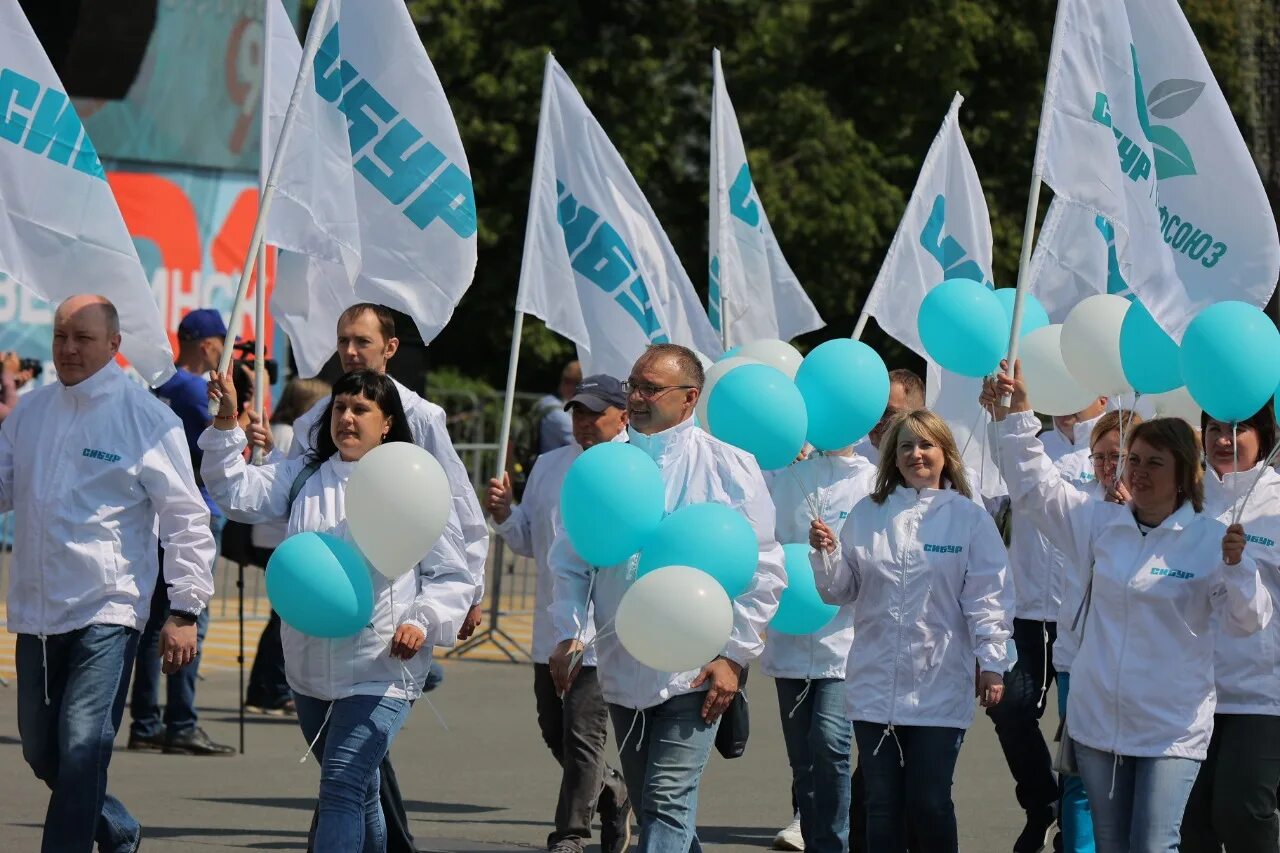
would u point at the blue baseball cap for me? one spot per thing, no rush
(200, 324)
(598, 393)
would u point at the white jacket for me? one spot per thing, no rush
(435, 597)
(696, 468)
(1142, 683)
(1247, 669)
(1038, 567)
(93, 471)
(834, 484)
(530, 530)
(926, 575)
(431, 433)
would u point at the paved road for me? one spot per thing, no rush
(486, 783)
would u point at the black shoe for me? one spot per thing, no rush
(195, 742)
(1036, 834)
(146, 743)
(615, 829)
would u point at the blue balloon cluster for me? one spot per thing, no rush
(759, 409)
(1150, 358)
(711, 537)
(319, 584)
(963, 327)
(1230, 360)
(845, 388)
(611, 502)
(801, 610)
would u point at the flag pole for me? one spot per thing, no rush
(517, 329)
(260, 304)
(717, 80)
(314, 34)
(861, 324)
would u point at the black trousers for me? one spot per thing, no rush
(1233, 802)
(1017, 717)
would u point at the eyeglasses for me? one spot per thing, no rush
(1112, 459)
(647, 390)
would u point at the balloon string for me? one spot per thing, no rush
(1271, 457)
(1235, 470)
(976, 425)
(582, 624)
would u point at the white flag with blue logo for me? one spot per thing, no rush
(597, 266)
(374, 196)
(1075, 257)
(61, 232)
(945, 233)
(750, 279)
(1135, 129)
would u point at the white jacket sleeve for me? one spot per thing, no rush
(517, 531)
(183, 519)
(445, 588)
(1247, 606)
(836, 574)
(572, 580)
(987, 596)
(432, 434)
(247, 493)
(754, 608)
(1063, 513)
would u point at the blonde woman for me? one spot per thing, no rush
(926, 573)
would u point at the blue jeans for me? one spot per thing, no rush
(353, 742)
(914, 783)
(67, 740)
(180, 688)
(1073, 811)
(819, 740)
(1137, 803)
(663, 751)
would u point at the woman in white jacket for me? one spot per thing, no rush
(352, 694)
(1165, 574)
(1233, 802)
(926, 573)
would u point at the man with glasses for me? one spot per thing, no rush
(574, 722)
(1038, 570)
(666, 722)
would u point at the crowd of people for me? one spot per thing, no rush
(1130, 570)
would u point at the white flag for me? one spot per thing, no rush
(1136, 129)
(945, 233)
(61, 232)
(1075, 258)
(374, 194)
(750, 279)
(597, 266)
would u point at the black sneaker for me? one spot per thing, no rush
(195, 742)
(615, 829)
(1036, 834)
(146, 743)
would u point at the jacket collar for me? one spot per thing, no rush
(1081, 431)
(662, 445)
(1231, 487)
(98, 385)
(1179, 519)
(908, 496)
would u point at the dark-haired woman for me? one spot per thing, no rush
(352, 694)
(1233, 802)
(1164, 575)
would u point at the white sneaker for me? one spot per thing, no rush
(789, 837)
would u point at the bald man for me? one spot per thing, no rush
(92, 466)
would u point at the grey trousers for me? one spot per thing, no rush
(576, 728)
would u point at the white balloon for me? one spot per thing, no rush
(674, 619)
(397, 502)
(1050, 386)
(711, 377)
(774, 353)
(1175, 404)
(1091, 344)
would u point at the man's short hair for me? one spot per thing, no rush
(685, 358)
(912, 385)
(386, 320)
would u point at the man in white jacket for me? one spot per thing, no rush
(575, 725)
(92, 466)
(663, 719)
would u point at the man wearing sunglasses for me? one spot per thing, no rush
(666, 722)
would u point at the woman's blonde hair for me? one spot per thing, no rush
(1119, 420)
(930, 427)
(1176, 437)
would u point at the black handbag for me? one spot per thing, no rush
(735, 724)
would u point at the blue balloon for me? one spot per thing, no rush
(611, 502)
(712, 537)
(801, 610)
(963, 328)
(759, 409)
(1033, 314)
(1149, 356)
(845, 388)
(320, 585)
(1231, 360)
